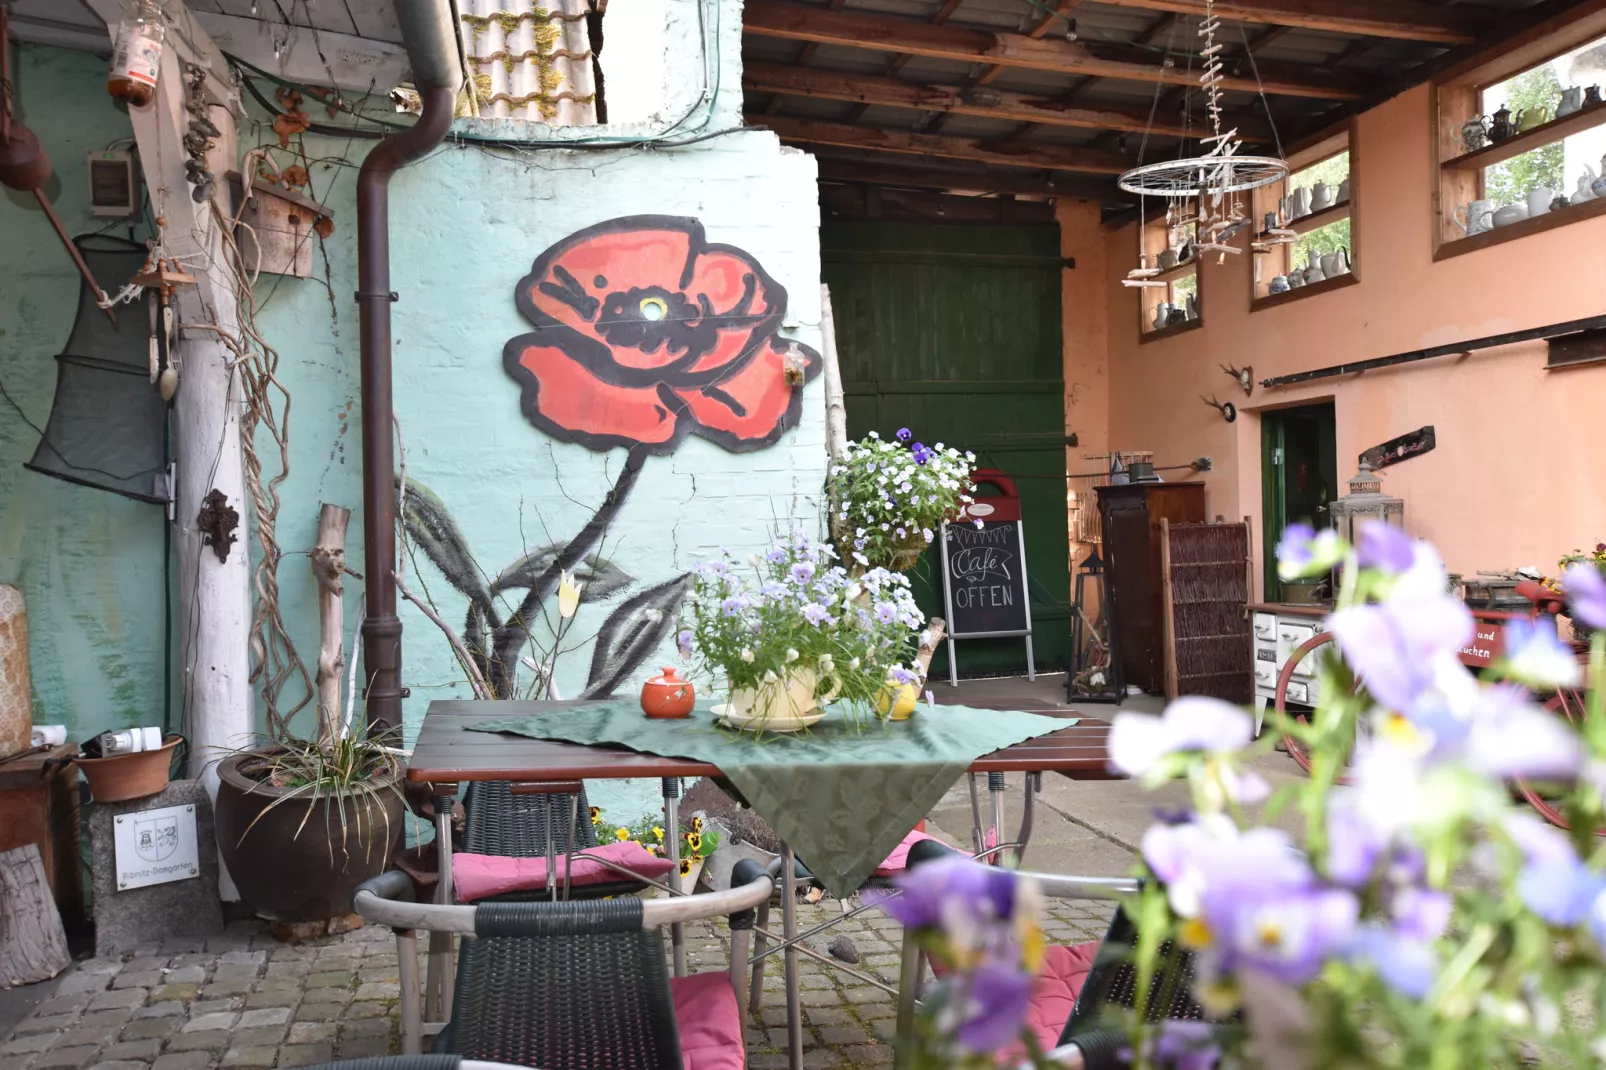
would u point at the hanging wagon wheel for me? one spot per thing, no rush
(1568, 703)
(1296, 749)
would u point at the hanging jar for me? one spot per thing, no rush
(137, 58)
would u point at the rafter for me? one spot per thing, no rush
(1053, 157)
(853, 29)
(870, 89)
(843, 169)
(1406, 20)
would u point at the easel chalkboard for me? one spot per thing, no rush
(984, 587)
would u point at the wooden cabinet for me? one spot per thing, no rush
(1130, 515)
(39, 804)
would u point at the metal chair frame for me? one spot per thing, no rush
(385, 900)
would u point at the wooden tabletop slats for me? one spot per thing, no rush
(446, 752)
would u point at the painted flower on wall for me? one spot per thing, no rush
(645, 332)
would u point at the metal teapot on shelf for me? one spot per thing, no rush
(1475, 133)
(1528, 118)
(1500, 128)
(1572, 99)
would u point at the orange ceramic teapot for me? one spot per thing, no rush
(668, 696)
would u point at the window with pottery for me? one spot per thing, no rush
(1170, 297)
(1304, 240)
(1522, 140)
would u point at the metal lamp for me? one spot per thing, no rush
(1366, 502)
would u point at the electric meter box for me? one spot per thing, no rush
(113, 184)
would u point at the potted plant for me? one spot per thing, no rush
(699, 839)
(1420, 917)
(888, 499)
(1595, 559)
(791, 631)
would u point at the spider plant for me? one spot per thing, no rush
(348, 765)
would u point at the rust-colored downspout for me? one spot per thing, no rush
(427, 30)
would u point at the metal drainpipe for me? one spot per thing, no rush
(429, 33)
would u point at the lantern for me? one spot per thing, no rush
(1365, 503)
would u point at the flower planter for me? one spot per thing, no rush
(292, 865)
(129, 776)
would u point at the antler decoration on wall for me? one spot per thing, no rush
(1245, 377)
(1227, 409)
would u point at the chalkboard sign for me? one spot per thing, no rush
(985, 576)
(984, 571)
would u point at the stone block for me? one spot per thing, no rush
(260, 1036)
(161, 1010)
(364, 1047)
(250, 1057)
(73, 1058)
(305, 1054)
(77, 981)
(183, 993)
(184, 1060)
(121, 1064)
(133, 1049)
(186, 909)
(311, 1032)
(68, 1004)
(217, 1020)
(185, 975)
(30, 1043)
(49, 1023)
(270, 1016)
(117, 998)
(213, 1040)
(150, 1028)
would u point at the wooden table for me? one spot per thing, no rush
(447, 755)
(39, 804)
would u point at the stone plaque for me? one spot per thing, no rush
(155, 846)
(178, 907)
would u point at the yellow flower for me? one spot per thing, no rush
(697, 824)
(568, 595)
(656, 831)
(596, 815)
(621, 834)
(694, 842)
(685, 867)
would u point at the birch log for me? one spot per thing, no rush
(328, 565)
(930, 639)
(33, 945)
(836, 411)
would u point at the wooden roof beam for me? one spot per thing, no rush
(1050, 157)
(1023, 183)
(1405, 20)
(854, 29)
(870, 89)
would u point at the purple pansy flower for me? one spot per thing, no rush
(1535, 655)
(1287, 935)
(1553, 884)
(1586, 594)
(1354, 844)
(1512, 737)
(886, 612)
(1420, 913)
(1306, 552)
(1409, 966)
(683, 640)
(1193, 723)
(802, 572)
(816, 614)
(1384, 548)
(997, 996)
(1180, 1044)
(1403, 648)
(904, 434)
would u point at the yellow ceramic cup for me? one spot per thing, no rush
(896, 702)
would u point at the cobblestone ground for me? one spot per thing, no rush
(245, 1000)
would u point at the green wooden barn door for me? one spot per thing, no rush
(954, 332)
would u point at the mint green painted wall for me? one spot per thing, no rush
(90, 562)
(466, 225)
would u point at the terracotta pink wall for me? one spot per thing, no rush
(1519, 475)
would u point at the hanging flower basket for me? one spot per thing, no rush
(889, 499)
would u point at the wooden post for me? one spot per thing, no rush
(1168, 610)
(836, 412)
(214, 595)
(33, 945)
(328, 564)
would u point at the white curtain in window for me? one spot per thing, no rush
(531, 59)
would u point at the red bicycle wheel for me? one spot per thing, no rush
(1296, 750)
(1568, 703)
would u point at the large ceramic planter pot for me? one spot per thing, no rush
(290, 865)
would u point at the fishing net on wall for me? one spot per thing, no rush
(108, 424)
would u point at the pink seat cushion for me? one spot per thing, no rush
(898, 860)
(710, 1024)
(1054, 992)
(477, 876)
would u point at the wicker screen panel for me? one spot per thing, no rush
(1209, 649)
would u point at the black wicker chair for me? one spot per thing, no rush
(574, 985)
(1111, 980)
(500, 822)
(414, 1062)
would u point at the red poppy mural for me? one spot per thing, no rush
(645, 333)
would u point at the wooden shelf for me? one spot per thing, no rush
(1337, 282)
(1528, 140)
(1156, 334)
(1331, 214)
(1523, 227)
(1182, 270)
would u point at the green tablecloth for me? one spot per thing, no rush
(843, 797)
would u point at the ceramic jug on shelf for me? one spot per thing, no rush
(1571, 100)
(1559, 202)
(1177, 316)
(1508, 214)
(1321, 196)
(1343, 192)
(1500, 128)
(1585, 191)
(1313, 270)
(1162, 314)
(1528, 118)
(1539, 199)
(1473, 217)
(1474, 133)
(1299, 204)
(1277, 285)
(1591, 95)
(1168, 259)
(1335, 263)
(1193, 306)
(1296, 279)
(1598, 186)
(1271, 221)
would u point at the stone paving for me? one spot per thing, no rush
(245, 1000)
